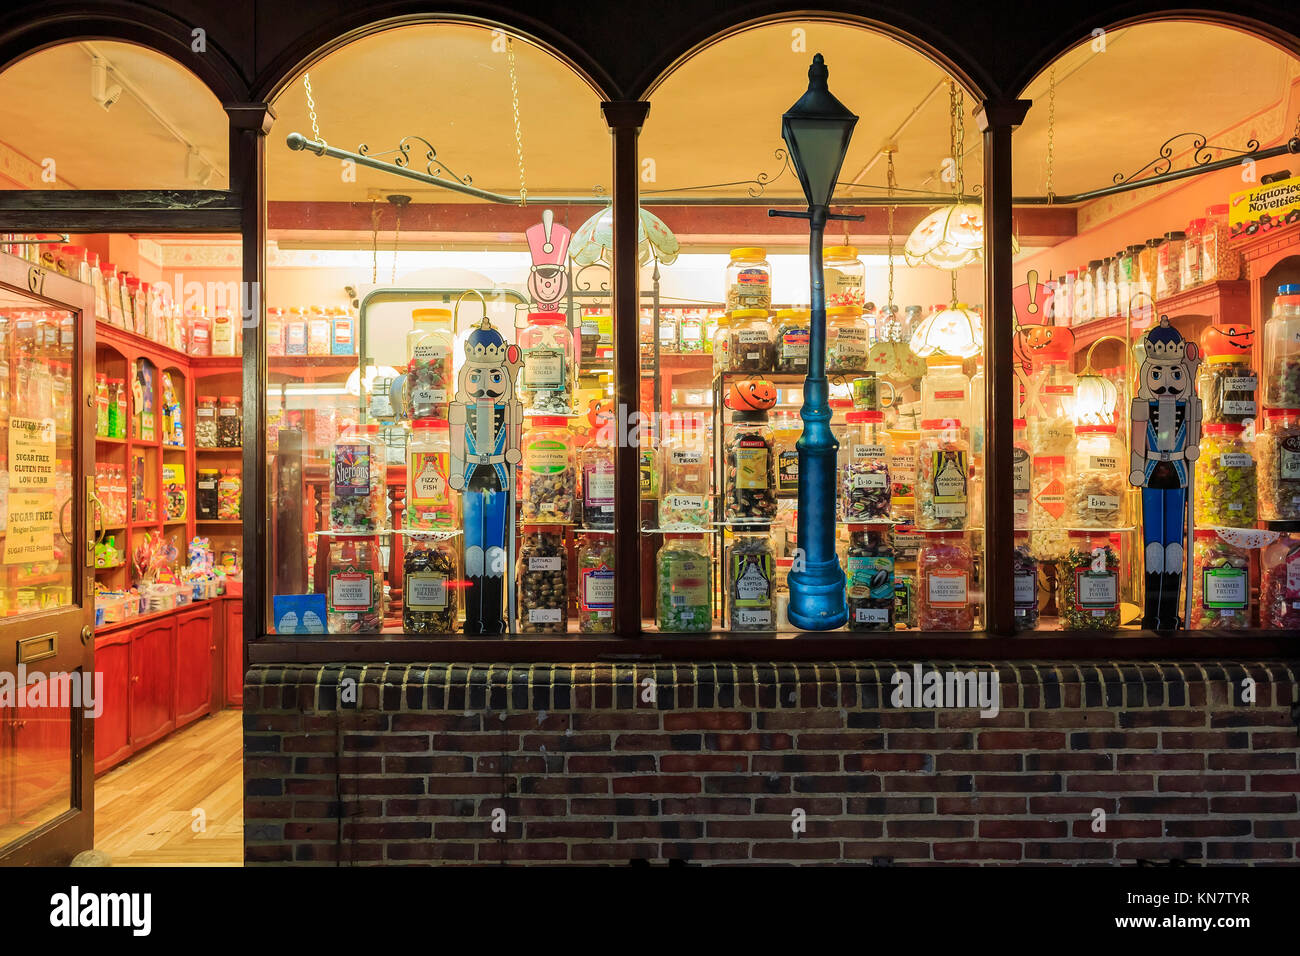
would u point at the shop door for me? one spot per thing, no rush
(47, 541)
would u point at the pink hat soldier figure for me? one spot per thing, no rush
(548, 280)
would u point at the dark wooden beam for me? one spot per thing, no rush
(119, 210)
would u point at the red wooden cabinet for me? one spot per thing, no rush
(195, 650)
(153, 656)
(112, 726)
(234, 630)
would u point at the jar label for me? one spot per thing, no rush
(847, 343)
(430, 353)
(688, 583)
(352, 471)
(1096, 589)
(1234, 407)
(1289, 458)
(1020, 471)
(752, 337)
(545, 562)
(228, 410)
(1103, 503)
(751, 464)
(1026, 589)
(1235, 459)
(204, 411)
(429, 486)
(352, 590)
(949, 487)
(208, 485)
(751, 575)
(949, 395)
(545, 615)
(1242, 383)
(546, 456)
(424, 395)
(871, 576)
(543, 368)
(425, 591)
(871, 615)
(787, 469)
(903, 463)
(1225, 588)
(597, 589)
(1020, 506)
(876, 479)
(902, 599)
(749, 617)
(868, 451)
(598, 484)
(794, 344)
(947, 588)
(1103, 463)
(684, 502)
(678, 457)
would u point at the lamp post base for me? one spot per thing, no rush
(817, 597)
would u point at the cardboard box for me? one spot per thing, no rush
(1262, 208)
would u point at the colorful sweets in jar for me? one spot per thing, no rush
(792, 333)
(429, 384)
(596, 584)
(684, 499)
(750, 347)
(870, 578)
(230, 422)
(865, 485)
(749, 279)
(1096, 487)
(846, 340)
(1277, 465)
(1279, 593)
(1220, 583)
(683, 594)
(751, 583)
(1225, 479)
(354, 587)
(1024, 568)
(843, 277)
(942, 473)
(946, 568)
(1282, 350)
(749, 469)
(546, 382)
(1021, 477)
(429, 594)
(358, 482)
(1088, 583)
(429, 502)
(543, 578)
(229, 492)
(549, 476)
(596, 465)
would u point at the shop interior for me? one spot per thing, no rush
(378, 283)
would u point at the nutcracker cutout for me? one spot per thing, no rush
(485, 423)
(548, 279)
(1166, 438)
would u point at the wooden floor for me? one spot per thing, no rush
(145, 809)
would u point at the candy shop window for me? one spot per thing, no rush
(1156, 451)
(439, 355)
(127, 101)
(726, 329)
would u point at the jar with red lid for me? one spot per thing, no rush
(865, 485)
(200, 335)
(549, 472)
(1191, 266)
(1226, 494)
(546, 382)
(1169, 264)
(1277, 465)
(1279, 593)
(1219, 261)
(946, 569)
(1221, 583)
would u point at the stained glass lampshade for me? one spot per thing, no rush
(594, 239)
(948, 238)
(957, 330)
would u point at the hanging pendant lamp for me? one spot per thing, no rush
(594, 239)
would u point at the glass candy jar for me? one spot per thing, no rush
(945, 389)
(749, 469)
(1225, 479)
(870, 578)
(946, 567)
(1226, 383)
(430, 347)
(750, 346)
(942, 475)
(429, 502)
(751, 583)
(358, 482)
(846, 340)
(230, 422)
(1097, 484)
(865, 485)
(542, 582)
(1282, 350)
(1051, 403)
(546, 382)
(1025, 572)
(1220, 583)
(1279, 593)
(786, 429)
(684, 496)
(843, 277)
(596, 469)
(1021, 476)
(549, 476)
(749, 279)
(429, 594)
(355, 587)
(1277, 456)
(684, 592)
(596, 583)
(792, 333)
(205, 421)
(1088, 582)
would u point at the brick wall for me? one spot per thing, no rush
(419, 763)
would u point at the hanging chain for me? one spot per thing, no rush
(374, 243)
(1051, 136)
(311, 107)
(958, 144)
(397, 232)
(890, 183)
(1296, 132)
(519, 133)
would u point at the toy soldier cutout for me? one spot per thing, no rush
(548, 279)
(1166, 438)
(485, 424)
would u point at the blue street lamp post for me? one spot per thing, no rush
(816, 131)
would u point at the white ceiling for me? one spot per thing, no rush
(716, 119)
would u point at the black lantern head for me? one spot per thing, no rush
(817, 130)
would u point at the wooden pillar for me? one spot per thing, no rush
(625, 119)
(997, 121)
(249, 125)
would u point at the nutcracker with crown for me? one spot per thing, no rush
(1166, 438)
(485, 424)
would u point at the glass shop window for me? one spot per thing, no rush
(439, 439)
(725, 343)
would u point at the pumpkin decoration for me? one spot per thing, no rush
(1231, 340)
(751, 395)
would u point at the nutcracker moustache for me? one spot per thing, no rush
(485, 423)
(1166, 438)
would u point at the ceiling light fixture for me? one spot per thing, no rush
(101, 91)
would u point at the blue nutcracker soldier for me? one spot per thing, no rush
(485, 423)
(1166, 438)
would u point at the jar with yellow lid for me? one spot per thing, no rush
(792, 331)
(750, 346)
(846, 340)
(749, 279)
(844, 276)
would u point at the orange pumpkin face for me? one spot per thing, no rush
(1228, 339)
(1054, 338)
(751, 395)
(600, 414)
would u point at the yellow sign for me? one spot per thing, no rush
(31, 527)
(31, 454)
(1264, 207)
